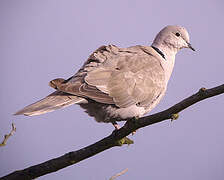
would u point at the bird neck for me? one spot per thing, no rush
(169, 60)
(167, 49)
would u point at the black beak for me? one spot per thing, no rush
(189, 46)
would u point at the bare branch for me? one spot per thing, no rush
(7, 136)
(115, 139)
(119, 174)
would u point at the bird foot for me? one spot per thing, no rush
(132, 121)
(124, 140)
(116, 125)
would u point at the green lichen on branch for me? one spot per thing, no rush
(123, 141)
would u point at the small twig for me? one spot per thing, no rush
(119, 174)
(7, 136)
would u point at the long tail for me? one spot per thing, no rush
(52, 102)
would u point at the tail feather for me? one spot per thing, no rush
(52, 102)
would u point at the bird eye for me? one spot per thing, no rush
(177, 34)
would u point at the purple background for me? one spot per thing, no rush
(45, 39)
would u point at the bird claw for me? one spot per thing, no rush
(133, 133)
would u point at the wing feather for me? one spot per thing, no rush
(123, 77)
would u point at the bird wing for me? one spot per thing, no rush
(120, 76)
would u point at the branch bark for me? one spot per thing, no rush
(117, 138)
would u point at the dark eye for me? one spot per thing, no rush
(177, 34)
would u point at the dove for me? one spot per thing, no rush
(118, 84)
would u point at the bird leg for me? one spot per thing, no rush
(116, 125)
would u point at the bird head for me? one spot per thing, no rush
(172, 38)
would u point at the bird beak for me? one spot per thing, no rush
(189, 46)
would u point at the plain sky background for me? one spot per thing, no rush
(45, 39)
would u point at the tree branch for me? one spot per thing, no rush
(118, 174)
(117, 138)
(7, 136)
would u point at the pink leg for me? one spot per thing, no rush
(116, 125)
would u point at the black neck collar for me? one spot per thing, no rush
(158, 51)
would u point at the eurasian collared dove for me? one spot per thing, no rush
(116, 84)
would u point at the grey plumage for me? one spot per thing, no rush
(52, 102)
(117, 83)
